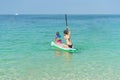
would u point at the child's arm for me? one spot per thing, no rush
(55, 39)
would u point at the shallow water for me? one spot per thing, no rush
(26, 54)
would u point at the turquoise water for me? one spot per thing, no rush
(26, 54)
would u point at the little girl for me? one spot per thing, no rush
(58, 38)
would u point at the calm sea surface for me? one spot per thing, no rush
(26, 54)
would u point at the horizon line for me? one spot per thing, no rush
(57, 14)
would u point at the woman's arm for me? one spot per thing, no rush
(68, 29)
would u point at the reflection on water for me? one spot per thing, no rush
(66, 55)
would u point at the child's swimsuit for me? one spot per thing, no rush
(59, 40)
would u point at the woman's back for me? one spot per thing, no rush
(67, 38)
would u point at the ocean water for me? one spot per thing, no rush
(26, 54)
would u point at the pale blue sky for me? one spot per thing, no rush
(60, 6)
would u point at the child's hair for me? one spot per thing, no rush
(57, 33)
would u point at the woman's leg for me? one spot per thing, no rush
(65, 46)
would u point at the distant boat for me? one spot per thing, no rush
(16, 14)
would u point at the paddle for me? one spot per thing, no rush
(66, 22)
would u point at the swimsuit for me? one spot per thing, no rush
(59, 40)
(70, 46)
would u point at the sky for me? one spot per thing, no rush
(60, 6)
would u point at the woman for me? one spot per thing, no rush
(67, 38)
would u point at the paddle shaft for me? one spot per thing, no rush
(66, 20)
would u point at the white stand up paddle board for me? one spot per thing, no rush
(60, 46)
